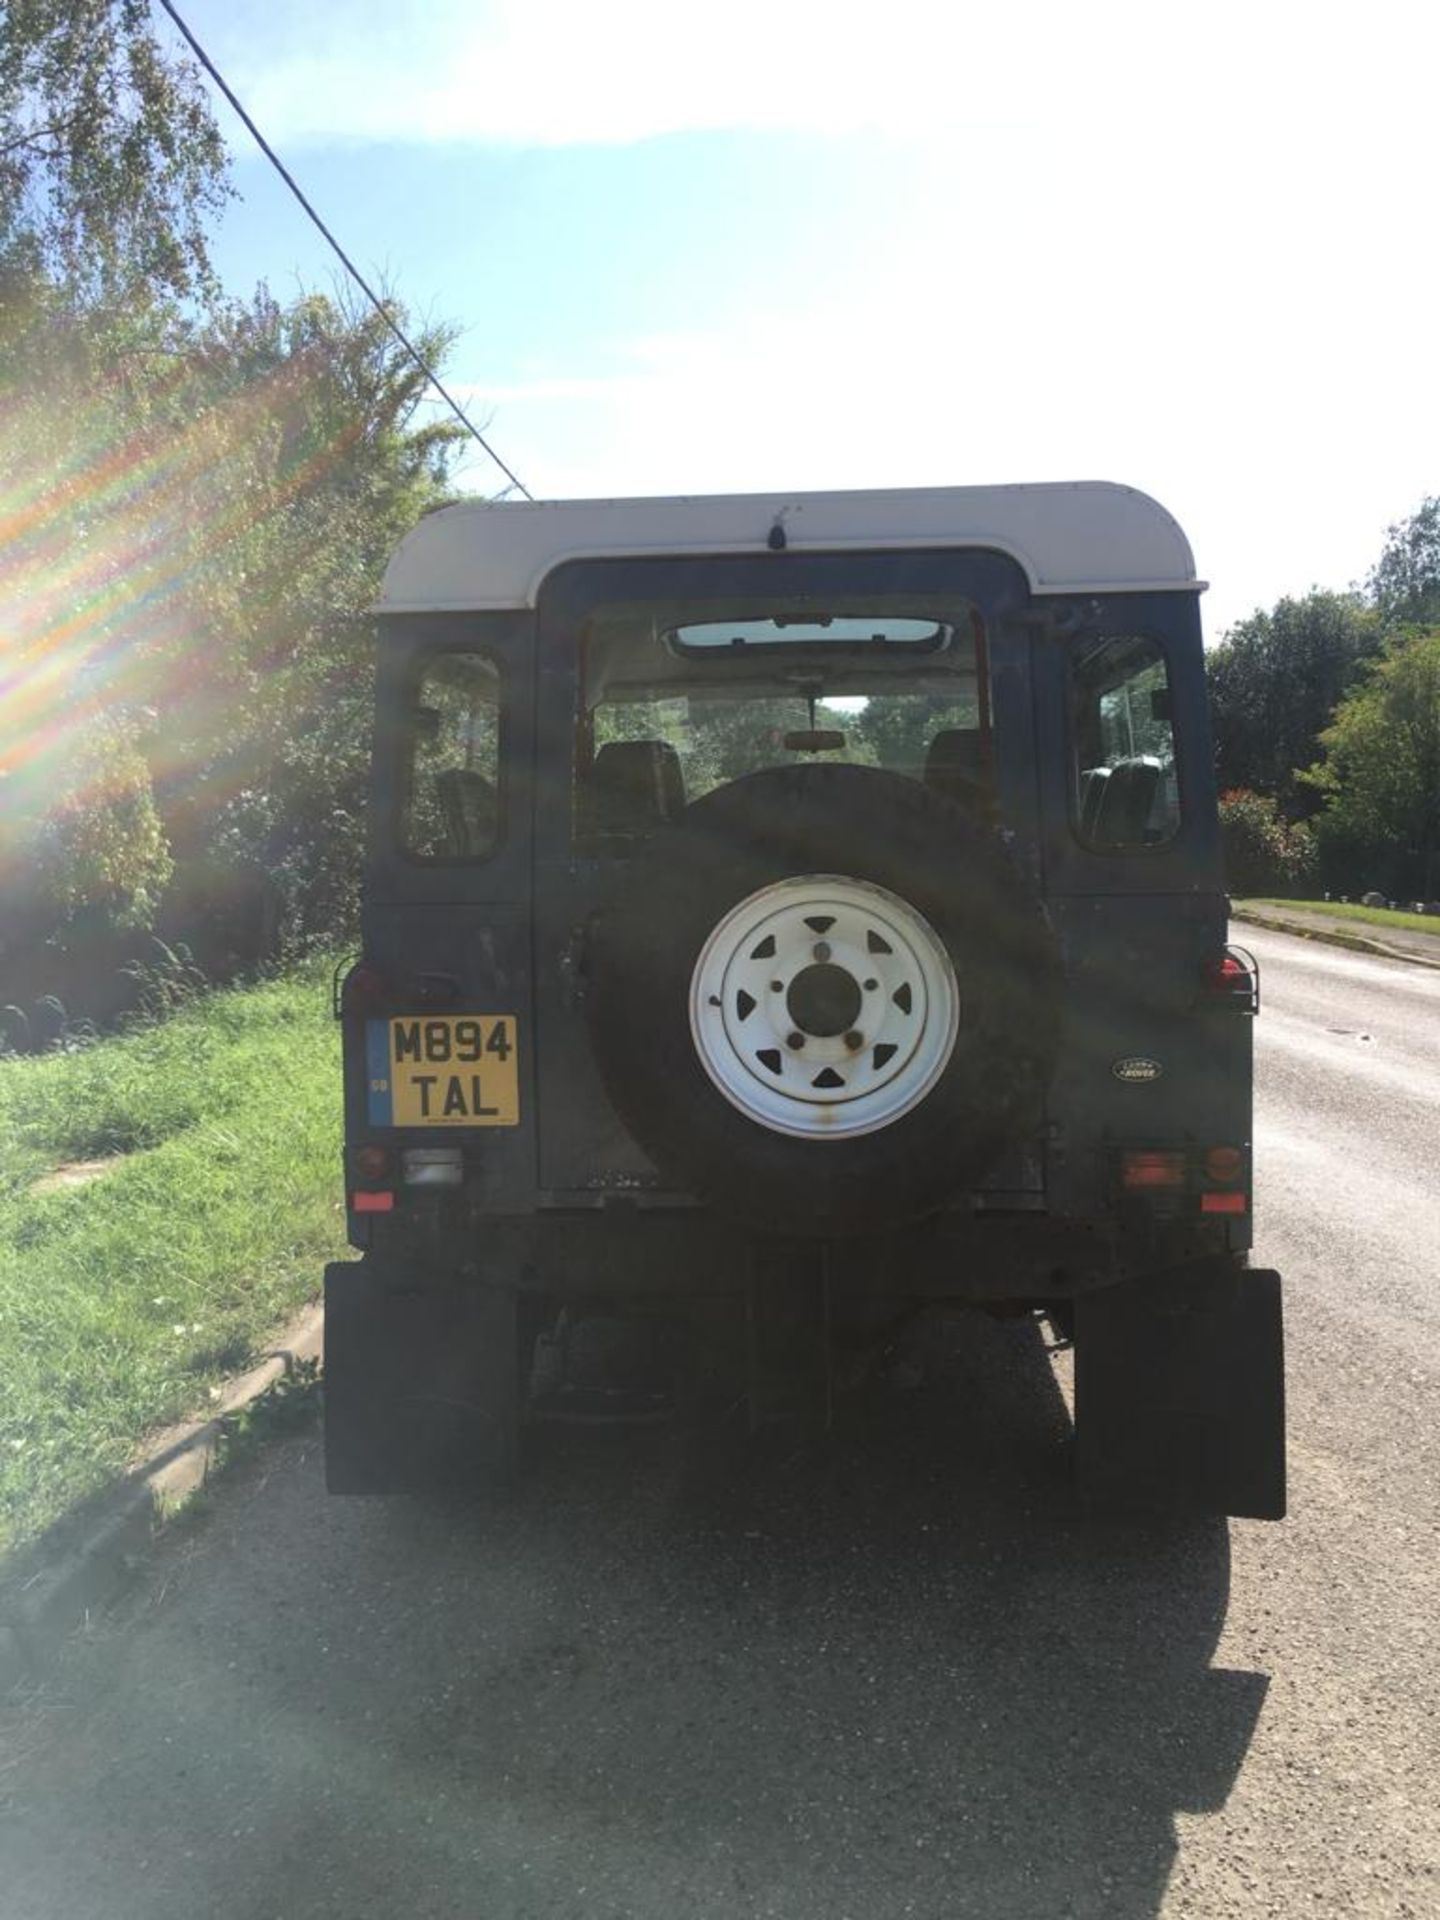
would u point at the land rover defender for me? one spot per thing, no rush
(787, 917)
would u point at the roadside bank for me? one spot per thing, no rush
(1391, 943)
(168, 1199)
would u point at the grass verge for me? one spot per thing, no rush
(1368, 916)
(126, 1299)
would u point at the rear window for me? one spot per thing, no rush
(451, 790)
(673, 707)
(1126, 794)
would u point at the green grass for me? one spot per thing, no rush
(1371, 916)
(124, 1300)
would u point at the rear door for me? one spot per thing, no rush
(586, 1156)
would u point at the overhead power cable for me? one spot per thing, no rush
(349, 265)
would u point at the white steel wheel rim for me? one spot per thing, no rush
(824, 1007)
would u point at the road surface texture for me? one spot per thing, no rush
(897, 1675)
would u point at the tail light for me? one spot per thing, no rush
(1148, 1171)
(1225, 1172)
(372, 1163)
(373, 1168)
(1223, 1166)
(1232, 979)
(1177, 1180)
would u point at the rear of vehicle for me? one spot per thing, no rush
(784, 920)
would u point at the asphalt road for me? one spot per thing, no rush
(894, 1676)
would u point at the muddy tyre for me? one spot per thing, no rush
(826, 1000)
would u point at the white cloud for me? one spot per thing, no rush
(569, 72)
(564, 72)
(1280, 482)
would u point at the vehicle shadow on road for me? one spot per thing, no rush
(896, 1673)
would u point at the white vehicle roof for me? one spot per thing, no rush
(1081, 536)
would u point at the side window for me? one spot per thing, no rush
(451, 805)
(1126, 795)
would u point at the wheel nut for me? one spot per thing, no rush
(821, 952)
(854, 1041)
(795, 1041)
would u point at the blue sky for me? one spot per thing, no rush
(790, 245)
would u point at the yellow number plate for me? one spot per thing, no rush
(455, 1070)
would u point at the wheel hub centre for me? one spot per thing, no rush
(823, 1000)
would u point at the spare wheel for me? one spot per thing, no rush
(826, 1000)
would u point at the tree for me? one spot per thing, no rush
(1405, 584)
(100, 853)
(1264, 853)
(1381, 774)
(306, 454)
(200, 496)
(1275, 680)
(198, 515)
(110, 159)
(897, 727)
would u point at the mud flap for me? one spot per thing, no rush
(1180, 1392)
(422, 1382)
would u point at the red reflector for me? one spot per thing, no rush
(364, 1202)
(1143, 1171)
(1224, 1203)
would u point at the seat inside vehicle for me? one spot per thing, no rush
(469, 807)
(635, 787)
(1127, 799)
(1092, 788)
(955, 767)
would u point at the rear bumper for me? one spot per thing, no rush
(671, 1255)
